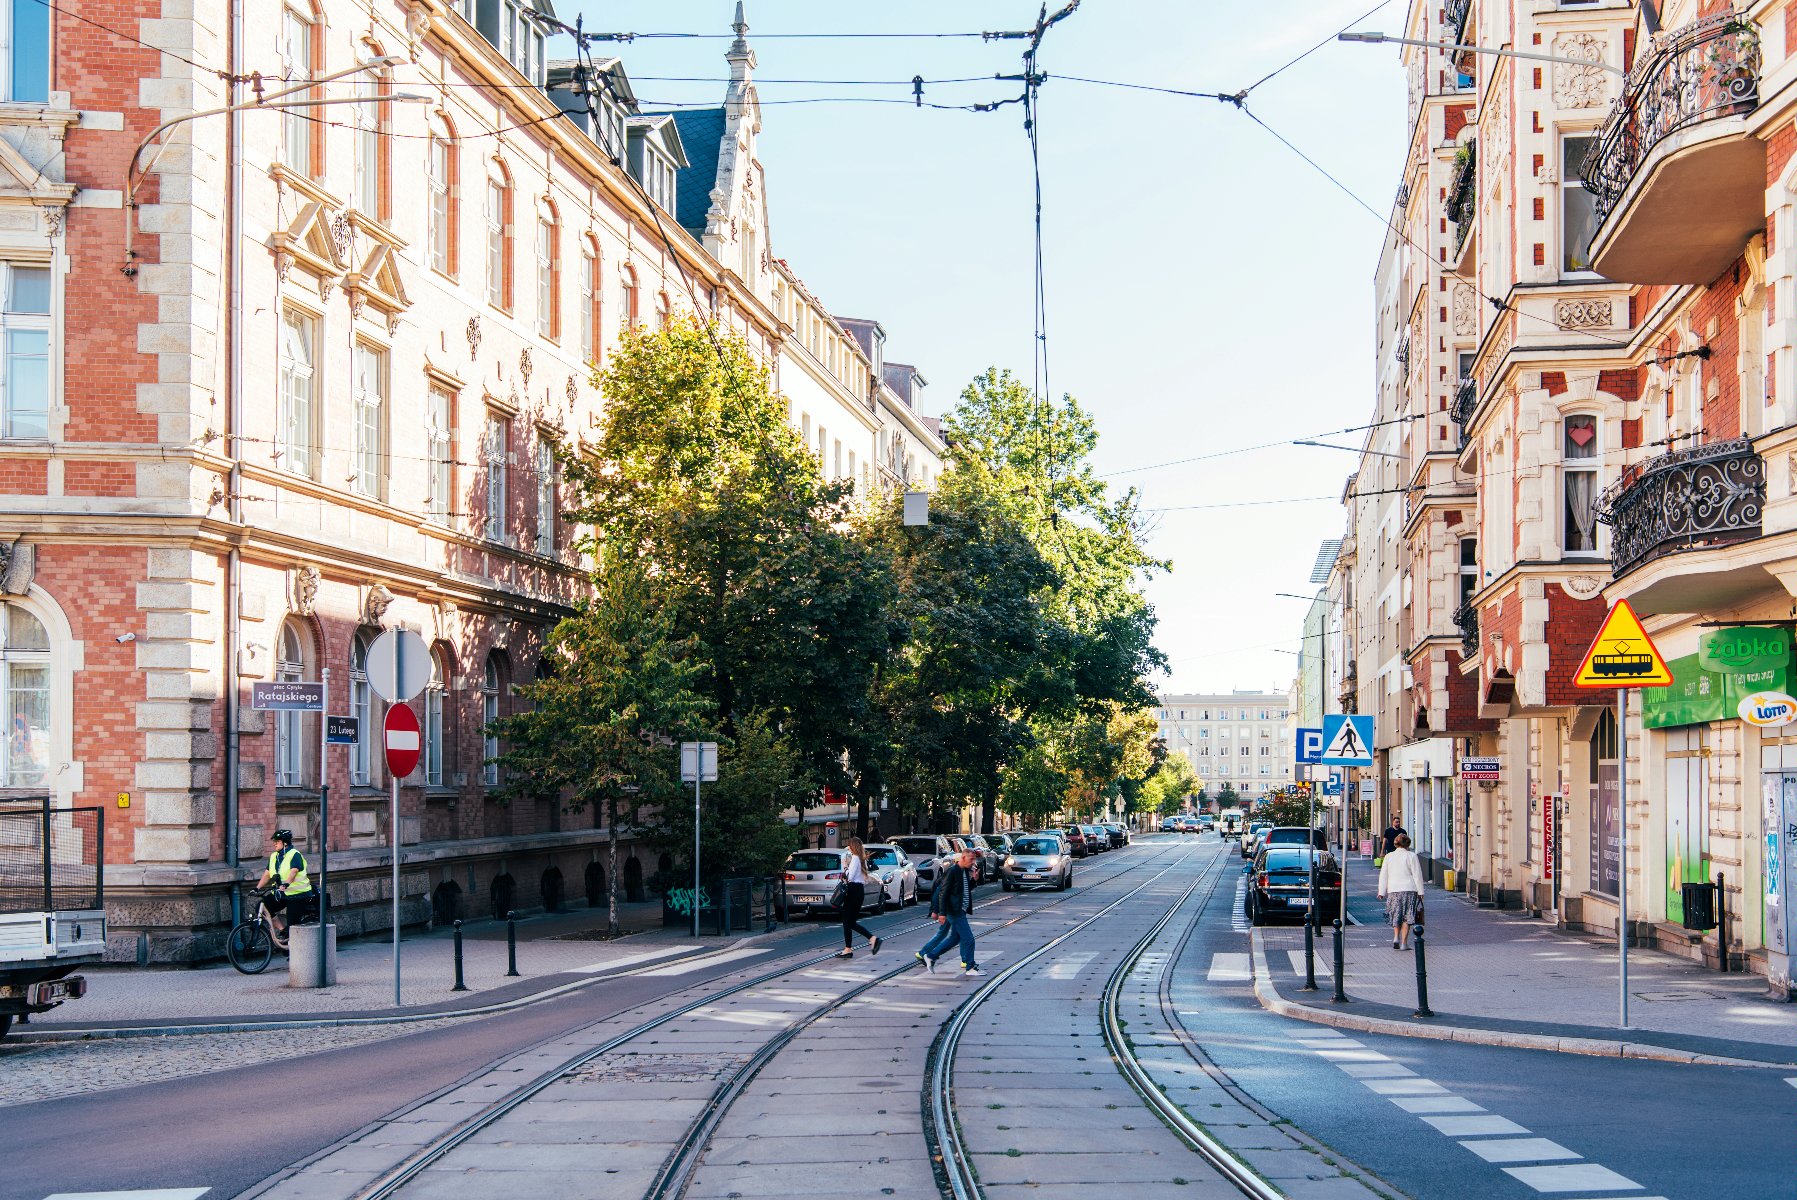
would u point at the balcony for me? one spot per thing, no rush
(1466, 399)
(1467, 618)
(1677, 182)
(1689, 499)
(1463, 198)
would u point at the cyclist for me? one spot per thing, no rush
(292, 890)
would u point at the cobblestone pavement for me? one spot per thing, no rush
(1501, 965)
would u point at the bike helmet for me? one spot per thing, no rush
(282, 835)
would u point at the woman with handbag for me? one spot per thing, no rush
(856, 878)
(1401, 887)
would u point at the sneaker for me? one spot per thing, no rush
(873, 945)
(972, 973)
(929, 964)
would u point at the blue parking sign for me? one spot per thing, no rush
(1310, 746)
(1347, 740)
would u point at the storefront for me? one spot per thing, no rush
(1423, 775)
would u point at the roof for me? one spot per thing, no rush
(702, 135)
(1326, 555)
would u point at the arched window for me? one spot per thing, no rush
(492, 684)
(499, 238)
(25, 681)
(591, 292)
(444, 169)
(549, 276)
(302, 54)
(435, 754)
(293, 664)
(628, 276)
(361, 709)
(373, 125)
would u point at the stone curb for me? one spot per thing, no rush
(1273, 1002)
(315, 1021)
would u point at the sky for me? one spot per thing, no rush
(1207, 290)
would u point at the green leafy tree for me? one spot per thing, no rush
(1227, 797)
(742, 832)
(1285, 808)
(1165, 790)
(598, 730)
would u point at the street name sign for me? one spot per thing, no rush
(1481, 768)
(1622, 655)
(287, 696)
(342, 731)
(1347, 740)
(400, 738)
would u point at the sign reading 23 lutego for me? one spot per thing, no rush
(1622, 655)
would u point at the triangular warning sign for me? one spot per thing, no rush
(1622, 655)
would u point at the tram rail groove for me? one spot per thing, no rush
(671, 1181)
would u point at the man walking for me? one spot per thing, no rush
(950, 904)
(1388, 841)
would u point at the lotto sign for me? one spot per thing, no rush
(1347, 740)
(1768, 710)
(1622, 655)
(399, 734)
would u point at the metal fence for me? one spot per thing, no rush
(50, 859)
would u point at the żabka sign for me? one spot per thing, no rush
(1768, 709)
(1744, 648)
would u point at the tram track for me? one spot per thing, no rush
(671, 1180)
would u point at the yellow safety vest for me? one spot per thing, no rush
(300, 884)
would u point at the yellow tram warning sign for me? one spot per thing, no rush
(1622, 655)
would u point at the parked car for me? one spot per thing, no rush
(1119, 835)
(1251, 837)
(811, 877)
(898, 874)
(1075, 837)
(986, 855)
(1169, 824)
(929, 854)
(1098, 840)
(1207, 823)
(1037, 860)
(1295, 835)
(1279, 884)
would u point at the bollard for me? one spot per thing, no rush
(511, 943)
(1721, 925)
(459, 985)
(1422, 979)
(1310, 953)
(1341, 991)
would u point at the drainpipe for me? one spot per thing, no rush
(233, 428)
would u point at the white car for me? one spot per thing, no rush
(898, 874)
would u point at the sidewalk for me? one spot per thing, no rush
(1519, 979)
(554, 951)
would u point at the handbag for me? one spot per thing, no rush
(839, 893)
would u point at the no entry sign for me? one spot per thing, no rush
(399, 734)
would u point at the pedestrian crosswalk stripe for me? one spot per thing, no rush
(629, 960)
(1070, 966)
(1792, 1081)
(687, 968)
(1229, 968)
(146, 1194)
(1524, 1149)
(1573, 1177)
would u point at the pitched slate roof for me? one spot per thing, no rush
(702, 135)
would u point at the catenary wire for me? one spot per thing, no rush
(1280, 70)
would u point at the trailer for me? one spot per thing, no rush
(52, 906)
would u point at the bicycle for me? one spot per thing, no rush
(254, 940)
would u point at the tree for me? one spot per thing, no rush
(599, 729)
(697, 472)
(1227, 797)
(742, 830)
(1285, 808)
(1165, 790)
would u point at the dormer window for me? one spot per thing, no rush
(520, 39)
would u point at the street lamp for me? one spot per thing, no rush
(1451, 47)
(274, 100)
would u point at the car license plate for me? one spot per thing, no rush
(1300, 901)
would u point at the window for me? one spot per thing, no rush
(439, 440)
(290, 727)
(498, 438)
(26, 324)
(1469, 569)
(489, 713)
(546, 503)
(28, 60)
(1578, 210)
(444, 164)
(361, 709)
(851, 469)
(369, 470)
(549, 281)
(25, 678)
(299, 337)
(1246, 751)
(433, 720)
(1578, 473)
(591, 335)
(499, 243)
(630, 296)
(371, 123)
(299, 127)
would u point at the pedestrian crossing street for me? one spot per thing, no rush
(1537, 1162)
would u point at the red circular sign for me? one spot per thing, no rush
(400, 735)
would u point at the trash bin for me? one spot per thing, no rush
(1700, 905)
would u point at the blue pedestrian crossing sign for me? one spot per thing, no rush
(1347, 740)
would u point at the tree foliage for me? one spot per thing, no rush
(1167, 787)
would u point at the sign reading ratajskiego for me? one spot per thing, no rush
(288, 696)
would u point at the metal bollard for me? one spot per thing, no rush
(1721, 925)
(511, 943)
(459, 985)
(1422, 979)
(1341, 991)
(1310, 953)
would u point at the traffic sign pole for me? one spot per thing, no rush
(1622, 853)
(324, 835)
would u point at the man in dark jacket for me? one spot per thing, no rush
(1388, 840)
(950, 903)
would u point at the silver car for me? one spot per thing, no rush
(1037, 860)
(929, 854)
(898, 874)
(811, 879)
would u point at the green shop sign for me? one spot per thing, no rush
(1698, 694)
(1750, 648)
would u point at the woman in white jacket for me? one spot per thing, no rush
(1401, 887)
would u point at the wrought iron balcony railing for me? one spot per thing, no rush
(1467, 618)
(1463, 193)
(1466, 398)
(1454, 28)
(1686, 500)
(1707, 69)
